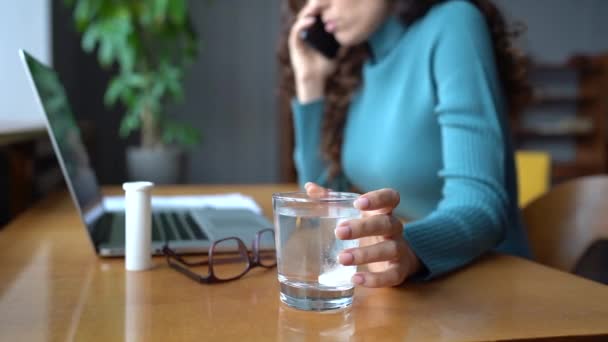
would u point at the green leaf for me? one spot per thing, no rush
(85, 11)
(128, 98)
(160, 10)
(106, 52)
(122, 87)
(158, 89)
(132, 119)
(114, 31)
(89, 38)
(137, 80)
(81, 11)
(115, 89)
(179, 133)
(126, 58)
(129, 123)
(145, 14)
(177, 11)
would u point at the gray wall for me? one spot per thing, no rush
(559, 28)
(231, 92)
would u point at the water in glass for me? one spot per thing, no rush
(310, 276)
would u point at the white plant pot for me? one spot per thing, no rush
(157, 165)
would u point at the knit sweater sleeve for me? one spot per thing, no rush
(308, 120)
(471, 217)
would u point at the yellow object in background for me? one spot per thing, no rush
(533, 174)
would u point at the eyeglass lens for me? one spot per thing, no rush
(227, 263)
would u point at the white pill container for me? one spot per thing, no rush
(138, 230)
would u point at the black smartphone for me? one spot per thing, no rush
(321, 40)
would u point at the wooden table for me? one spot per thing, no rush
(53, 287)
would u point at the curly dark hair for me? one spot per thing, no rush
(347, 77)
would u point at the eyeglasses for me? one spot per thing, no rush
(224, 264)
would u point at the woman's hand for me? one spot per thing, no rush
(382, 248)
(311, 68)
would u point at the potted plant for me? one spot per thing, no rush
(149, 43)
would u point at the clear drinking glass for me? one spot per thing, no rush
(310, 276)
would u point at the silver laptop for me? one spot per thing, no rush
(186, 230)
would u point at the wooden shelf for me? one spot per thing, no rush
(588, 91)
(580, 101)
(578, 127)
(582, 64)
(528, 133)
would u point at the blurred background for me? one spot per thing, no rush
(227, 127)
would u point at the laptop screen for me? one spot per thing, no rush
(66, 139)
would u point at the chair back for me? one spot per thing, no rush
(563, 223)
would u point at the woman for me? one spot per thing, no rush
(412, 112)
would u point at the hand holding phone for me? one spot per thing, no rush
(312, 52)
(321, 40)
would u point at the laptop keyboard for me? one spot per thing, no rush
(166, 226)
(174, 226)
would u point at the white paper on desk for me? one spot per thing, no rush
(219, 201)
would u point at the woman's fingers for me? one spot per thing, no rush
(386, 250)
(394, 275)
(309, 10)
(315, 190)
(377, 225)
(379, 199)
(304, 20)
(299, 25)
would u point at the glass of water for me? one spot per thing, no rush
(310, 276)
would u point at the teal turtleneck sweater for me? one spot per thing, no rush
(429, 121)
